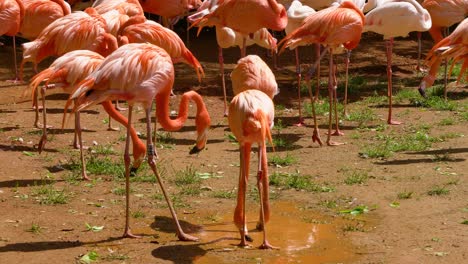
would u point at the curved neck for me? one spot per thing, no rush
(65, 7)
(274, 5)
(162, 110)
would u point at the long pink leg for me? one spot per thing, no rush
(319, 57)
(331, 99)
(239, 211)
(43, 139)
(389, 46)
(78, 133)
(348, 55)
(262, 185)
(151, 161)
(127, 232)
(335, 105)
(298, 74)
(223, 81)
(17, 79)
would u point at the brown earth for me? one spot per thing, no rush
(306, 225)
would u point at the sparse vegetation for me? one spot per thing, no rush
(278, 161)
(298, 182)
(437, 191)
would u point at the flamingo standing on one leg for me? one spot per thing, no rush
(11, 18)
(139, 73)
(66, 72)
(454, 46)
(38, 14)
(394, 19)
(251, 115)
(79, 30)
(297, 13)
(226, 37)
(331, 27)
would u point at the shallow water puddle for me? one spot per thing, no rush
(301, 235)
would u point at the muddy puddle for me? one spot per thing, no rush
(301, 235)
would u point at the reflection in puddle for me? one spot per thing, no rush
(303, 237)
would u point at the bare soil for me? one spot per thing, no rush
(308, 226)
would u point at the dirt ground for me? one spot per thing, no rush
(413, 203)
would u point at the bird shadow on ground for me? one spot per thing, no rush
(26, 183)
(6, 129)
(179, 253)
(412, 161)
(441, 151)
(166, 224)
(5, 111)
(22, 148)
(61, 111)
(50, 245)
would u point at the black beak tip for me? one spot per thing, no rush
(422, 92)
(133, 171)
(195, 150)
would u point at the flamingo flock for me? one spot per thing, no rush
(111, 51)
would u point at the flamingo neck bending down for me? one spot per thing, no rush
(202, 119)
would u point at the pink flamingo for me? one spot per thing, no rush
(251, 115)
(394, 19)
(11, 18)
(38, 14)
(128, 7)
(251, 72)
(139, 73)
(331, 27)
(170, 11)
(243, 16)
(79, 30)
(66, 72)
(139, 30)
(454, 46)
(297, 13)
(444, 13)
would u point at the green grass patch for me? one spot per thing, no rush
(437, 191)
(362, 116)
(298, 182)
(356, 177)
(231, 194)
(405, 195)
(447, 122)
(278, 161)
(187, 176)
(48, 195)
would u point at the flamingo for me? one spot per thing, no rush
(139, 72)
(170, 11)
(243, 16)
(11, 18)
(297, 13)
(66, 72)
(454, 46)
(251, 115)
(251, 72)
(395, 19)
(444, 13)
(139, 30)
(128, 7)
(79, 30)
(38, 14)
(226, 37)
(334, 26)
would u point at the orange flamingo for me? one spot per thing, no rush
(331, 27)
(128, 7)
(11, 18)
(226, 37)
(395, 19)
(139, 30)
(297, 13)
(454, 46)
(170, 11)
(251, 72)
(444, 13)
(243, 16)
(138, 73)
(251, 115)
(79, 30)
(38, 14)
(66, 72)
